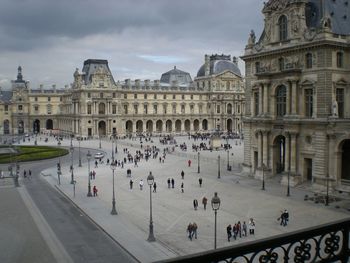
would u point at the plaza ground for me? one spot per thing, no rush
(241, 199)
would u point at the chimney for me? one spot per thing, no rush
(235, 60)
(207, 65)
(41, 87)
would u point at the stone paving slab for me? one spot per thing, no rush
(241, 199)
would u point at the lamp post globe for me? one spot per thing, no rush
(88, 156)
(215, 204)
(113, 166)
(150, 182)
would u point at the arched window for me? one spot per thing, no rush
(283, 28)
(308, 60)
(340, 59)
(281, 101)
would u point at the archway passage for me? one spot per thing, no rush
(139, 126)
(178, 126)
(49, 124)
(187, 125)
(196, 125)
(20, 127)
(205, 125)
(159, 126)
(345, 167)
(102, 128)
(149, 126)
(128, 127)
(229, 125)
(6, 127)
(36, 126)
(279, 147)
(169, 125)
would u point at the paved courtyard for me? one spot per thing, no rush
(241, 199)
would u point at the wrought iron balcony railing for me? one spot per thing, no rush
(325, 243)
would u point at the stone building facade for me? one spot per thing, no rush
(297, 118)
(96, 105)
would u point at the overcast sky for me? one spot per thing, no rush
(141, 39)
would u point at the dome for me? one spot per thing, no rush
(219, 64)
(175, 74)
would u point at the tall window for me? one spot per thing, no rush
(340, 101)
(89, 109)
(218, 109)
(281, 101)
(48, 98)
(200, 108)
(114, 109)
(113, 95)
(183, 109)
(192, 109)
(340, 59)
(283, 28)
(49, 109)
(101, 108)
(6, 107)
(145, 109)
(308, 60)
(174, 109)
(155, 109)
(20, 107)
(256, 103)
(308, 103)
(136, 109)
(155, 96)
(165, 109)
(125, 109)
(257, 67)
(145, 96)
(101, 95)
(229, 109)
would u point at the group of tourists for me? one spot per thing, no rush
(240, 229)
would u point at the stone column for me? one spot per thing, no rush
(266, 98)
(134, 127)
(293, 153)
(260, 99)
(260, 148)
(287, 151)
(288, 99)
(265, 147)
(294, 97)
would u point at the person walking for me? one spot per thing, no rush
(168, 182)
(204, 202)
(286, 217)
(239, 229)
(189, 163)
(24, 173)
(94, 189)
(30, 173)
(131, 183)
(96, 164)
(235, 231)
(229, 232)
(194, 230)
(244, 229)
(189, 231)
(182, 187)
(172, 182)
(195, 204)
(200, 180)
(154, 187)
(141, 184)
(251, 225)
(182, 175)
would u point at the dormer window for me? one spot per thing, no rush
(283, 28)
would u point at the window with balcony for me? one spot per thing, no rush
(281, 101)
(309, 103)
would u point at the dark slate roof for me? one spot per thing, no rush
(175, 74)
(91, 65)
(5, 96)
(219, 64)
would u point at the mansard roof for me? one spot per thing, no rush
(93, 65)
(6, 96)
(175, 74)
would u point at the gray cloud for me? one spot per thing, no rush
(61, 34)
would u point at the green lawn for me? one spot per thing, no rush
(32, 153)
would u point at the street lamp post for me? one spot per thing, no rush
(113, 167)
(88, 156)
(35, 142)
(79, 153)
(228, 160)
(72, 172)
(199, 167)
(150, 181)
(288, 185)
(263, 179)
(215, 204)
(99, 136)
(327, 190)
(219, 166)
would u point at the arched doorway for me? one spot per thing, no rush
(196, 125)
(139, 126)
(178, 126)
(345, 167)
(128, 127)
(187, 125)
(102, 128)
(169, 125)
(159, 126)
(149, 126)
(36, 126)
(229, 125)
(20, 127)
(205, 125)
(279, 153)
(49, 124)
(6, 127)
